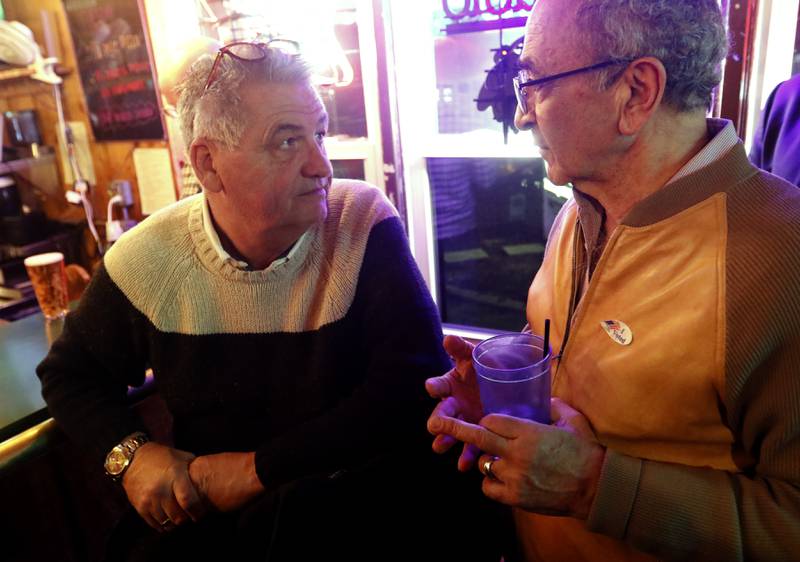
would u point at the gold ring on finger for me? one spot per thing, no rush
(487, 468)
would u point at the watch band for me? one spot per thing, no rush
(134, 441)
(119, 458)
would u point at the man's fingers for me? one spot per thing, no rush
(458, 348)
(560, 410)
(468, 433)
(151, 520)
(188, 498)
(174, 512)
(439, 387)
(150, 510)
(506, 426)
(469, 455)
(495, 490)
(567, 417)
(447, 408)
(443, 443)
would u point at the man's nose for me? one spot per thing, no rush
(524, 121)
(317, 165)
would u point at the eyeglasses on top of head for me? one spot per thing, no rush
(250, 51)
(520, 84)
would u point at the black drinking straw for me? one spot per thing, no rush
(546, 345)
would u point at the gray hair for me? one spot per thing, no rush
(687, 36)
(217, 113)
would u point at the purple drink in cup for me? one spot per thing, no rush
(514, 376)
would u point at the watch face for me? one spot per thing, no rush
(116, 461)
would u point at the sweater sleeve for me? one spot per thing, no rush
(399, 335)
(86, 374)
(693, 513)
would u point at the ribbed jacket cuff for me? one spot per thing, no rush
(616, 492)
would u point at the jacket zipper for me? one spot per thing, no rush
(573, 299)
(577, 271)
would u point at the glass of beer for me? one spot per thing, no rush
(49, 280)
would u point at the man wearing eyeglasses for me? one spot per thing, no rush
(289, 333)
(674, 297)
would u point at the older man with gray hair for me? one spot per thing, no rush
(288, 331)
(673, 288)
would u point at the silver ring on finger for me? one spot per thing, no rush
(166, 522)
(487, 468)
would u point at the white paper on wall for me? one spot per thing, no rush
(154, 175)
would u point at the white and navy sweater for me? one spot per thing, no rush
(316, 364)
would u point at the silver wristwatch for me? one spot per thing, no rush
(120, 457)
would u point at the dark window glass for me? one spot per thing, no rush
(350, 169)
(492, 217)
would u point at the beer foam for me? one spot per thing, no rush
(44, 259)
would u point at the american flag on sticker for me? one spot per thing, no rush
(618, 331)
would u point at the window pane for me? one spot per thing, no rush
(492, 218)
(772, 59)
(350, 169)
(327, 32)
(462, 62)
(345, 102)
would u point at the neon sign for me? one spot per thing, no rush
(472, 8)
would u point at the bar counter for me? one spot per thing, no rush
(23, 344)
(25, 423)
(49, 488)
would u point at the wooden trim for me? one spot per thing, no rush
(387, 100)
(796, 60)
(741, 16)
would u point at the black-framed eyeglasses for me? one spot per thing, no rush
(520, 84)
(250, 51)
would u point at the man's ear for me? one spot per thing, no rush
(642, 87)
(202, 154)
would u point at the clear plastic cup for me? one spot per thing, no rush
(514, 376)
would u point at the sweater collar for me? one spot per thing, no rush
(215, 259)
(213, 238)
(723, 138)
(720, 176)
(716, 167)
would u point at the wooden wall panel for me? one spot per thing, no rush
(112, 160)
(23, 93)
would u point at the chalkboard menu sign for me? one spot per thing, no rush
(115, 69)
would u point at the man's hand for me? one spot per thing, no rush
(541, 468)
(460, 399)
(226, 480)
(158, 486)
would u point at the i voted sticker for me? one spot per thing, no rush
(618, 331)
